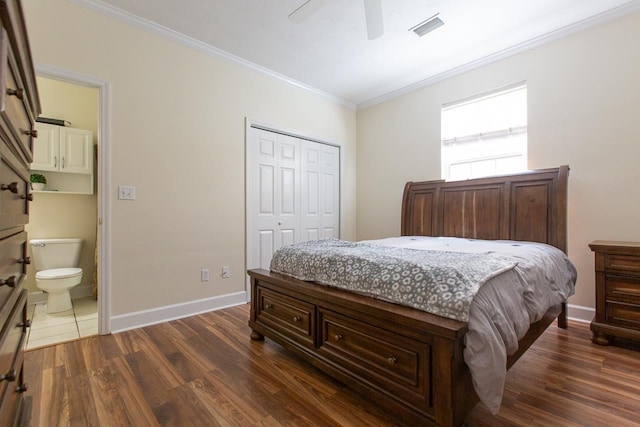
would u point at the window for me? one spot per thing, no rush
(485, 135)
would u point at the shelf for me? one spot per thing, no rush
(67, 183)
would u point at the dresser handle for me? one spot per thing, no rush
(10, 282)
(297, 319)
(22, 388)
(268, 306)
(28, 197)
(9, 376)
(33, 133)
(25, 260)
(392, 361)
(18, 93)
(26, 324)
(339, 337)
(13, 187)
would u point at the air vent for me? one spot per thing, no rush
(427, 26)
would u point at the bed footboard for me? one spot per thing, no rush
(407, 361)
(410, 363)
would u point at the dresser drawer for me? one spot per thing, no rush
(376, 355)
(12, 270)
(625, 315)
(13, 101)
(14, 193)
(12, 340)
(622, 263)
(292, 318)
(11, 403)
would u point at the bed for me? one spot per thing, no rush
(408, 361)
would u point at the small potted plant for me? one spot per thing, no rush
(38, 181)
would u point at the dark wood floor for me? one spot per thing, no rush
(205, 371)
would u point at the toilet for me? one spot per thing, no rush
(56, 263)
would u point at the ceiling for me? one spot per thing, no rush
(329, 52)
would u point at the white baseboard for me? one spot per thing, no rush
(138, 319)
(40, 297)
(153, 316)
(580, 313)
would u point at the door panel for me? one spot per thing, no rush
(320, 168)
(273, 195)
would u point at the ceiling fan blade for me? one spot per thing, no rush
(307, 9)
(373, 14)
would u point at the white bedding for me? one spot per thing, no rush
(506, 305)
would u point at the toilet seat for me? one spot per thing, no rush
(58, 273)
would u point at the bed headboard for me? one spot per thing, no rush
(529, 206)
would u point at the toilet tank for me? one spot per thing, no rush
(55, 253)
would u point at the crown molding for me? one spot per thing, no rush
(626, 9)
(177, 37)
(169, 34)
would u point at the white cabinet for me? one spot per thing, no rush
(62, 149)
(65, 156)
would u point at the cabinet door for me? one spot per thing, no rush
(76, 150)
(46, 148)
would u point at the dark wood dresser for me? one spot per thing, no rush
(617, 291)
(19, 106)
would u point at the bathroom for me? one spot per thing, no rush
(66, 208)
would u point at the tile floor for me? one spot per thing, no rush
(47, 329)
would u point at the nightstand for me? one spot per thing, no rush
(617, 268)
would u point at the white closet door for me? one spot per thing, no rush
(293, 193)
(273, 195)
(330, 192)
(320, 190)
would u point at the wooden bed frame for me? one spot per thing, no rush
(407, 361)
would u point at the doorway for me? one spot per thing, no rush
(96, 247)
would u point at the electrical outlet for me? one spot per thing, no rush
(226, 272)
(126, 192)
(204, 275)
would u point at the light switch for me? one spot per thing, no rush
(126, 192)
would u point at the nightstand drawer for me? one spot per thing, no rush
(622, 263)
(626, 315)
(623, 289)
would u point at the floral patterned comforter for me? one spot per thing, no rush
(438, 282)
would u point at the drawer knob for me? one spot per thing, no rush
(26, 324)
(339, 337)
(10, 282)
(268, 306)
(28, 197)
(9, 376)
(22, 388)
(392, 361)
(297, 319)
(33, 133)
(18, 93)
(25, 260)
(13, 187)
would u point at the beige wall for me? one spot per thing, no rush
(66, 215)
(583, 98)
(177, 134)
